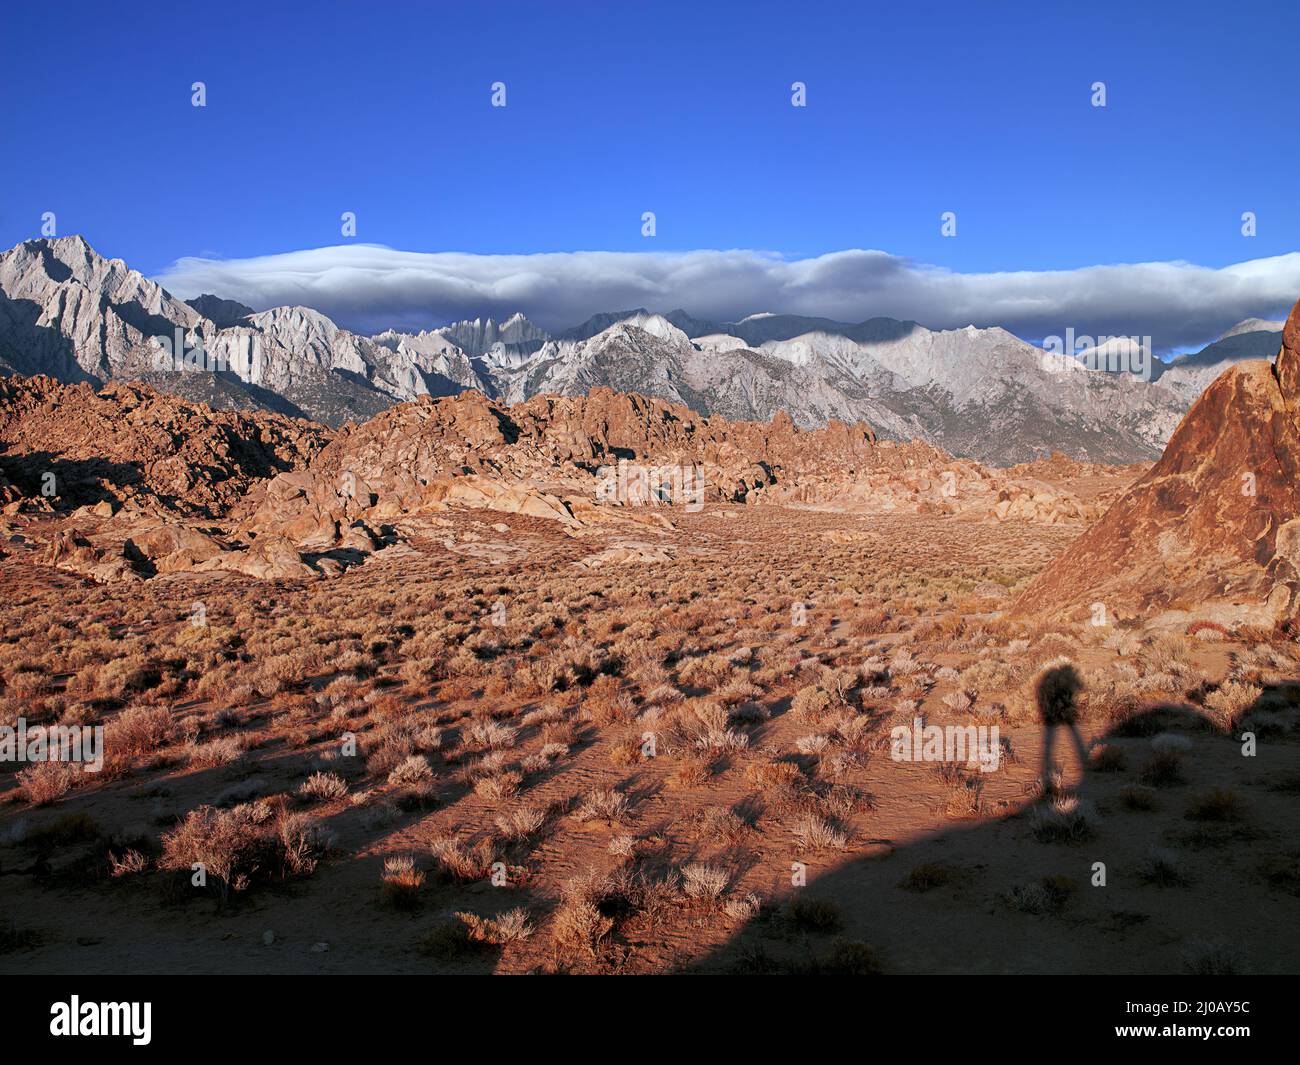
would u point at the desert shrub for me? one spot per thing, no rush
(400, 887)
(128, 863)
(1231, 701)
(1108, 759)
(1062, 819)
(47, 782)
(1046, 896)
(1218, 804)
(848, 958)
(224, 751)
(1161, 867)
(813, 915)
(1139, 799)
(510, 927)
(230, 845)
(810, 702)
(927, 877)
(489, 735)
(141, 730)
(818, 833)
(579, 927)
(323, 786)
(704, 882)
(1163, 769)
(603, 804)
(413, 769)
(452, 940)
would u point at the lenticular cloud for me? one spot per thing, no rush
(369, 287)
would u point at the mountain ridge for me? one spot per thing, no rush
(984, 393)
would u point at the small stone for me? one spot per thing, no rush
(319, 948)
(268, 937)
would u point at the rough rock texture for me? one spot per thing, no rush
(68, 312)
(981, 393)
(576, 460)
(1213, 530)
(148, 485)
(129, 444)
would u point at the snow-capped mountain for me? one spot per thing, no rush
(70, 313)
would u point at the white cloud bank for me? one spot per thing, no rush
(369, 287)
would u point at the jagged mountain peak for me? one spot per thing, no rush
(1253, 325)
(982, 392)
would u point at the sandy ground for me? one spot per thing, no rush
(940, 868)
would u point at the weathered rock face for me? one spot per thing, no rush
(1213, 530)
(983, 393)
(554, 456)
(128, 444)
(69, 312)
(146, 484)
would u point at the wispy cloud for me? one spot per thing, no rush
(369, 287)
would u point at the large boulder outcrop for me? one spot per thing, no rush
(1213, 530)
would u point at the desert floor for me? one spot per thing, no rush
(379, 771)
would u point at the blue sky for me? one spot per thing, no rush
(681, 109)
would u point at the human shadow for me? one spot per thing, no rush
(1123, 868)
(1056, 695)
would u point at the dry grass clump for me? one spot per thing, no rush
(1228, 703)
(498, 784)
(1138, 799)
(141, 730)
(704, 882)
(1161, 867)
(1218, 804)
(1046, 896)
(227, 750)
(963, 791)
(813, 745)
(1062, 819)
(400, 887)
(1163, 769)
(230, 846)
(603, 804)
(773, 775)
(414, 769)
(816, 833)
(461, 862)
(1108, 759)
(927, 877)
(323, 787)
(813, 915)
(521, 824)
(47, 782)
